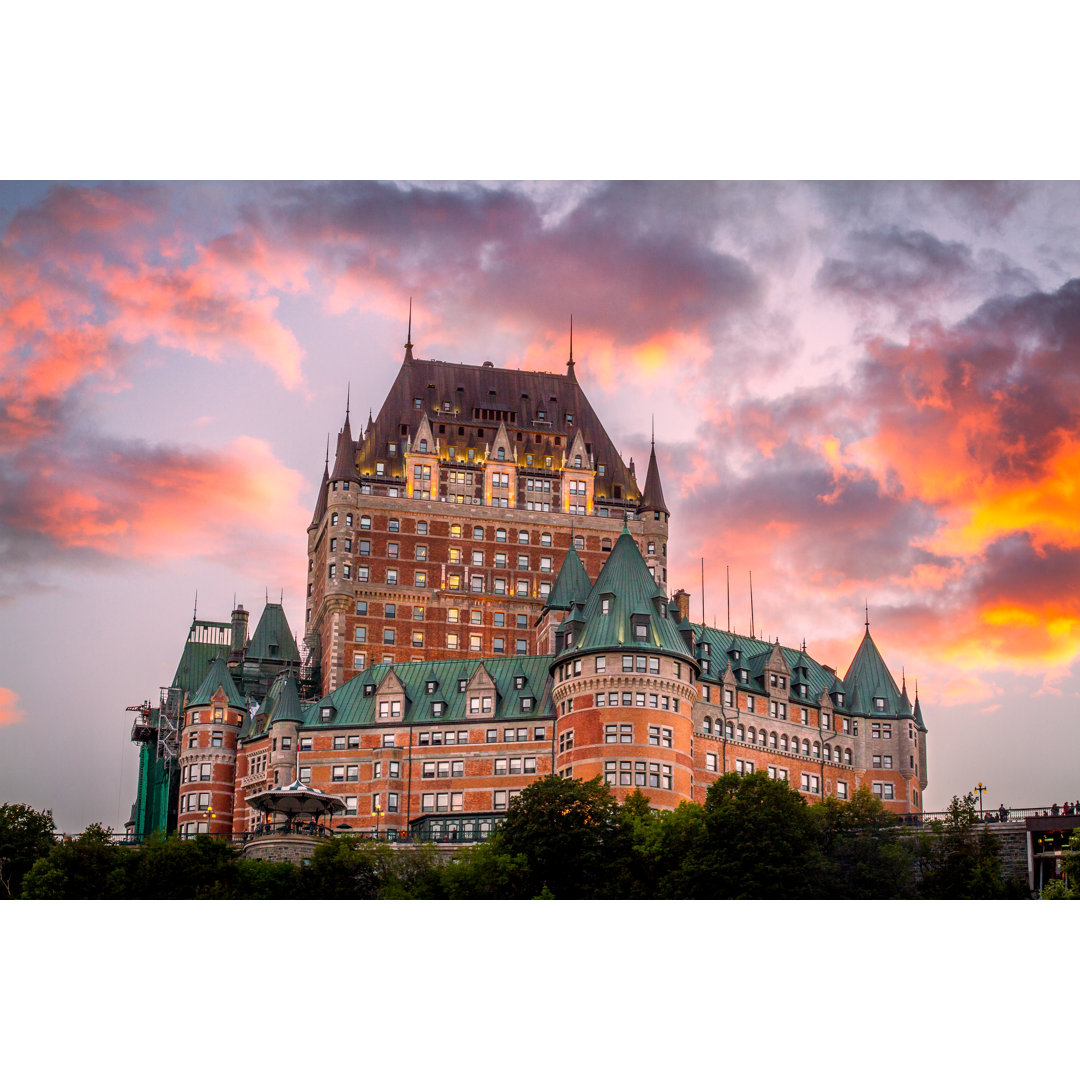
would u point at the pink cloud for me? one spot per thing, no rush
(10, 713)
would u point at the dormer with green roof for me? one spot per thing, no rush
(218, 683)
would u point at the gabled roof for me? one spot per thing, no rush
(867, 678)
(273, 639)
(652, 498)
(630, 591)
(479, 398)
(352, 707)
(572, 583)
(218, 676)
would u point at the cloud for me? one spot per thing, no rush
(113, 501)
(10, 713)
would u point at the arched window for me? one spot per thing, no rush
(741, 732)
(817, 749)
(783, 743)
(730, 731)
(708, 725)
(761, 736)
(423, 446)
(847, 757)
(348, 520)
(333, 519)
(806, 747)
(502, 453)
(752, 733)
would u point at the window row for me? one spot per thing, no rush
(638, 774)
(637, 699)
(190, 773)
(515, 766)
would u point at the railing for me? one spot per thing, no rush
(989, 816)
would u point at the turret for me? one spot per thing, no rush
(212, 720)
(624, 685)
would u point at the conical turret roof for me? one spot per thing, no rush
(345, 458)
(652, 498)
(218, 676)
(631, 595)
(320, 503)
(572, 583)
(283, 701)
(868, 678)
(919, 723)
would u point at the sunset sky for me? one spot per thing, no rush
(863, 393)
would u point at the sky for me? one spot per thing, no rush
(866, 394)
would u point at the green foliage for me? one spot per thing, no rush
(568, 832)
(961, 860)
(761, 842)
(1069, 888)
(88, 867)
(354, 868)
(867, 857)
(26, 835)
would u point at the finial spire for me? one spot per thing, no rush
(328, 451)
(866, 605)
(408, 336)
(570, 362)
(348, 395)
(652, 426)
(195, 613)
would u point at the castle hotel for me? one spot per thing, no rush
(488, 602)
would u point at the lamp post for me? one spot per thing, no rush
(980, 787)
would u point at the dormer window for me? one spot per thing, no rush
(369, 689)
(431, 686)
(735, 654)
(416, 403)
(577, 461)
(879, 704)
(438, 708)
(461, 684)
(838, 698)
(423, 446)
(501, 453)
(605, 606)
(519, 681)
(527, 704)
(641, 627)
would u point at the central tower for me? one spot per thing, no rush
(440, 529)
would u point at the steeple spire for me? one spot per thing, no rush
(652, 497)
(866, 606)
(408, 336)
(348, 395)
(570, 363)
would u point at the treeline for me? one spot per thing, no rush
(754, 838)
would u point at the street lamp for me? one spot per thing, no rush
(980, 787)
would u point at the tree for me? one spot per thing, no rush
(1069, 887)
(26, 835)
(866, 856)
(760, 843)
(87, 867)
(567, 831)
(961, 859)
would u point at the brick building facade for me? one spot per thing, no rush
(487, 603)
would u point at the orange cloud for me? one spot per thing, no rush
(10, 713)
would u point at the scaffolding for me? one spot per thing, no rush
(170, 720)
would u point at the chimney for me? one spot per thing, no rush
(682, 604)
(239, 634)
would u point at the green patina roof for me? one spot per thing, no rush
(197, 656)
(630, 589)
(867, 678)
(352, 708)
(571, 585)
(273, 639)
(218, 675)
(918, 713)
(754, 656)
(282, 703)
